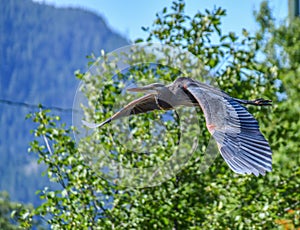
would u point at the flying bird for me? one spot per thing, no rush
(235, 130)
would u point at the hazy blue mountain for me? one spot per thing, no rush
(40, 48)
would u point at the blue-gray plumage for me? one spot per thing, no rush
(235, 130)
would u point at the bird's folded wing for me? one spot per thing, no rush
(141, 105)
(236, 131)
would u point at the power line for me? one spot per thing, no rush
(35, 106)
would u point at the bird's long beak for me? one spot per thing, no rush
(146, 89)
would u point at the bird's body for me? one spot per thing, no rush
(235, 130)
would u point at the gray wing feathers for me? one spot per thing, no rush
(236, 131)
(141, 105)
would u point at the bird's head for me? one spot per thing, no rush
(152, 88)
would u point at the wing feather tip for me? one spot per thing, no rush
(94, 125)
(89, 124)
(242, 166)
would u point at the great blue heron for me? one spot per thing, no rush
(235, 130)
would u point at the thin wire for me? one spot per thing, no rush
(35, 106)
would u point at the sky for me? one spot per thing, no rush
(128, 16)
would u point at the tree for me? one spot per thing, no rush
(280, 45)
(10, 212)
(215, 199)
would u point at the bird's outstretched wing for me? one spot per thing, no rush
(141, 105)
(236, 131)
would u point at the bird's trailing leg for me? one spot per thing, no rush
(261, 101)
(258, 102)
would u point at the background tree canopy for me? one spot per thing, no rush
(245, 67)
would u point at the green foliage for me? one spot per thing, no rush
(13, 215)
(215, 199)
